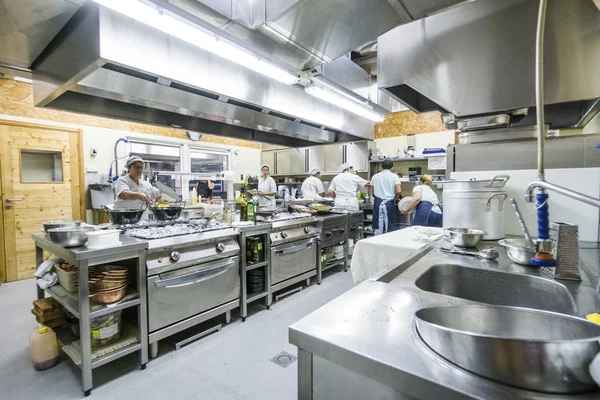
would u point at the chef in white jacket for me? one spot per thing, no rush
(133, 192)
(345, 186)
(312, 187)
(267, 188)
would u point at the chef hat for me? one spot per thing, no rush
(132, 160)
(265, 165)
(345, 166)
(314, 171)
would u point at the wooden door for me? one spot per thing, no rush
(40, 181)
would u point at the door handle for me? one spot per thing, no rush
(12, 200)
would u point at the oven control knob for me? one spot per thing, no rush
(342, 230)
(307, 229)
(328, 233)
(220, 247)
(175, 256)
(284, 235)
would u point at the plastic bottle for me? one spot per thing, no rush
(44, 348)
(194, 196)
(251, 211)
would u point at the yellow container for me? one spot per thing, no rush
(44, 348)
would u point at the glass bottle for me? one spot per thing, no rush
(242, 204)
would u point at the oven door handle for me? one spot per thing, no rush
(194, 277)
(295, 249)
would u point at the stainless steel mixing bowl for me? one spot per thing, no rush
(518, 250)
(526, 348)
(464, 237)
(61, 224)
(69, 237)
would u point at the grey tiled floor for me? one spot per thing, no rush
(231, 364)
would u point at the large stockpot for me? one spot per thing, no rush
(476, 204)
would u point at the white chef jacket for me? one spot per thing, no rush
(311, 188)
(345, 186)
(267, 186)
(126, 184)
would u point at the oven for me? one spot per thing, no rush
(292, 259)
(176, 295)
(293, 251)
(333, 232)
(191, 279)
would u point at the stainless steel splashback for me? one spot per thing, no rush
(106, 64)
(479, 59)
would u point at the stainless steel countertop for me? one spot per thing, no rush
(370, 329)
(84, 253)
(178, 242)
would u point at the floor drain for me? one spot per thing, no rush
(284, 359)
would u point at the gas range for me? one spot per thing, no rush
(333, 228)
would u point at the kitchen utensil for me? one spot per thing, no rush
(531, 349)
(465, 237)
(404, 202)
(125, 216)
(69, 237)
(61, 224)
(518, 250)
(523, 227)
(167, 212)
(477, 204)
(488, 254)
(565, 249)
(167, 190)
(109, 296)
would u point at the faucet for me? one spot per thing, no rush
(543, 185)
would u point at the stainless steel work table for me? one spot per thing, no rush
(79, 305)
(364, 343)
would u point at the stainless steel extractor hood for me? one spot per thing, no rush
(478, 59)
(106, 64)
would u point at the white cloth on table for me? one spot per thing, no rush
(267, 186)
(375, 255)
(46, 278)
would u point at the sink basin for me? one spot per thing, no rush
(497, 288)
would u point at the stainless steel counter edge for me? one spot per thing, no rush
(369, 330)
(83, 252)
(292, 222)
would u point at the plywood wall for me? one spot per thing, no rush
(16, 98)
(407, 122)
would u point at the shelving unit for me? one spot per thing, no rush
(262, 230)
(132, 338)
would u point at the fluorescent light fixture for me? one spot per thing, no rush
(344, 102)
(21, 79)
(157, 18)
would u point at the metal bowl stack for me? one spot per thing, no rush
(108, 284)
(69, 236)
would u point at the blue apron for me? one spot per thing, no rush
(391, 214)
(425, 217)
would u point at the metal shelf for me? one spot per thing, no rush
(127, 344)
(254, 297)
(70, 301)
(400, 159)
(333, 264)
(250, 267)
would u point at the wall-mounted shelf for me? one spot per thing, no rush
(400, 159)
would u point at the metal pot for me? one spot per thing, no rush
(169, 213)
(476, 204)
(125, 217)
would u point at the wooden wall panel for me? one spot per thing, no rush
(16, 98)
(407, 122)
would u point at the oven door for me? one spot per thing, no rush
(176, 295)
(292, 259)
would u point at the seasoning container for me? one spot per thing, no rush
(44, 348)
